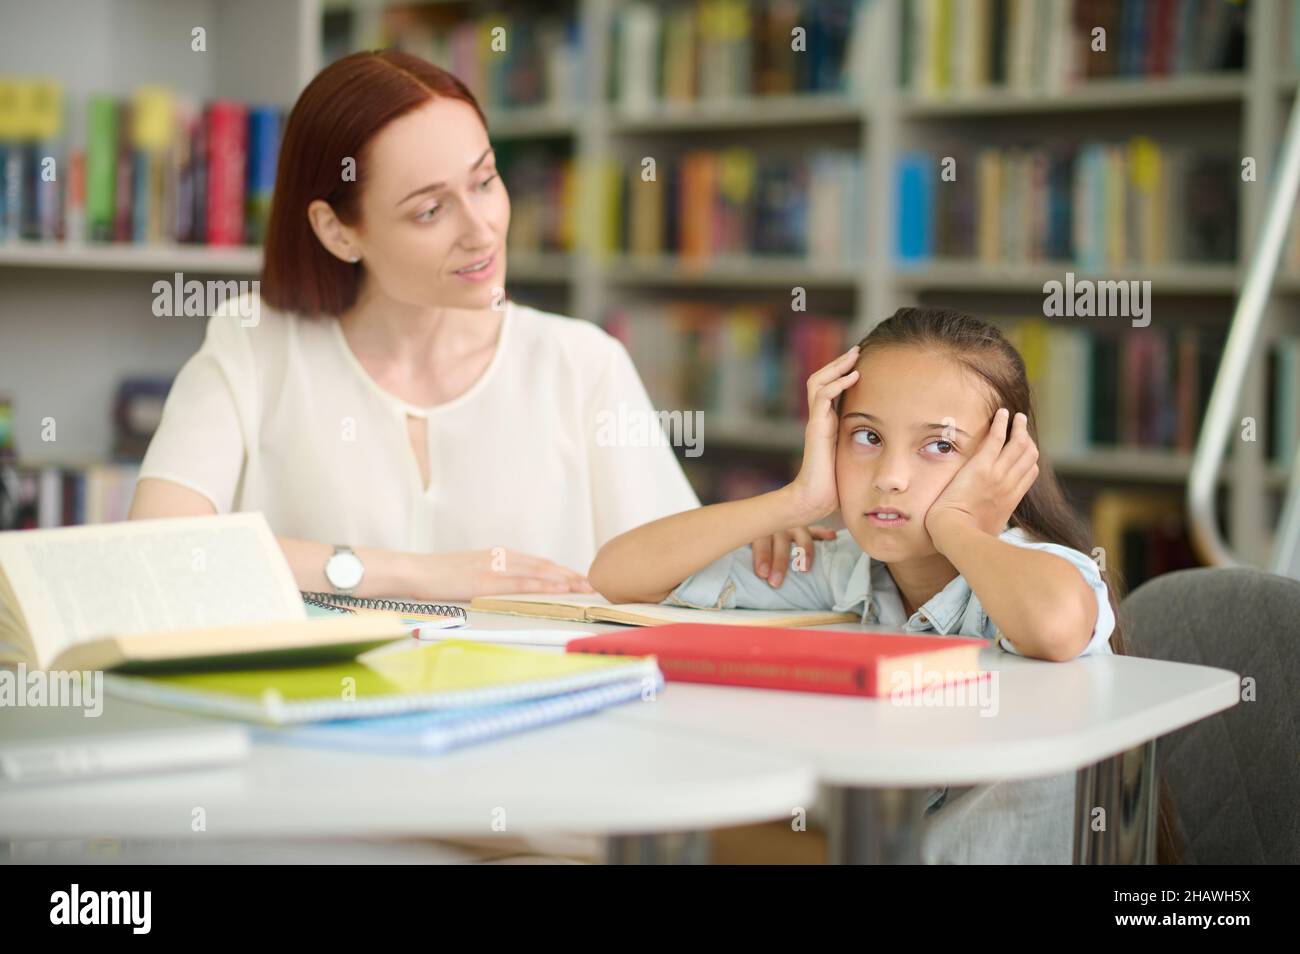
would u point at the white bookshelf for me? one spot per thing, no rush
(114, 257)
(1108, 95)
(267, 51)
(728, 272)
(743, 113)
(1200, 279)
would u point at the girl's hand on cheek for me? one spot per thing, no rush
(813, 488)
(988, 488)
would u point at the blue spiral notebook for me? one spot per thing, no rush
(426, 733)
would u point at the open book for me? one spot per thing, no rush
(213, 591)
(596, 609)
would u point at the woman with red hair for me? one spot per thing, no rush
(406, 429)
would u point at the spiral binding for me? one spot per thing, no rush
(344, 602)
(310, 600)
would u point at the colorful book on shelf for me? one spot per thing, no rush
(711, 50)
(438, 730)
(596, 609)
(915, 189)
(738, 203)
(1142, 533)
(227, 159)
(953, 47)
(1088, 205)
(147, 169)
(841, 663)
(538, 68)
(740, 363)
(101, 165)
(449, 675)
(45, 496)
(184, 593)
(263, 149)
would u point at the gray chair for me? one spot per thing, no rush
(1234, 777)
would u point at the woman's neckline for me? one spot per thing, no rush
(413, 409)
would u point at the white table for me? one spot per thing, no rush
(1097, 716)
(649, 792)
(652, 775)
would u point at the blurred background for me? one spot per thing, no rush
(737, 189)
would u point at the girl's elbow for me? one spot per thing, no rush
(605, 578)
(614, 587)
(1074, 625)
(1070, 641)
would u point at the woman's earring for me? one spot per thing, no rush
(354, 259)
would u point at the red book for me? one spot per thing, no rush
(804, 660)
(227, 158)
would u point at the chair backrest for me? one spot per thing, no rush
(1234, 777)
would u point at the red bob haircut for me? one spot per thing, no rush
(336, 117)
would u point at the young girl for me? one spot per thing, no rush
(923, 437)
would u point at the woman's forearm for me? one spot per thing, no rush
(644, 565)
(388, 573)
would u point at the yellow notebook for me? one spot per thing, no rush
(450, 674)
(596, 609)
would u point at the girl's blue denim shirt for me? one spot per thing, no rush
(1010, 822)
(844, 579)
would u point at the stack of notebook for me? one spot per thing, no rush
(404, 698)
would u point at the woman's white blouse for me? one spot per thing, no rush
(279, 415)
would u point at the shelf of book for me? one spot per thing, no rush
(531, 123)
(127, 257)
(542, 268)
(746, 112)
(728, 271)
(1029, 277)
(605, 65)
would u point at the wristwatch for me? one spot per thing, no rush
(344, 569)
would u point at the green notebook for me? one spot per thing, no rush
(444, 675)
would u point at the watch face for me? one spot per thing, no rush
(344, 570)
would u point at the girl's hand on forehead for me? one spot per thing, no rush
(988, 487)
(814, 486)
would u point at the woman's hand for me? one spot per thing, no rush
(988, 488)
(471, 573)
(813, 488)
(772, 554)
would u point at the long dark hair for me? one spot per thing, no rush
(1045, 512)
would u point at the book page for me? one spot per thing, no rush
(606, 611)
(731, 617)
(77, 584)
(580, 600)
